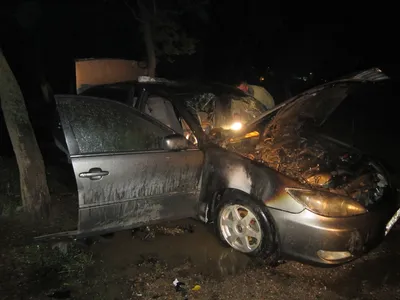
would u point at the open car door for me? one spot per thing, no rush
(125, 177)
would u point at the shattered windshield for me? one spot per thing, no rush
(221, 110)
(201, 103)
(247, 107)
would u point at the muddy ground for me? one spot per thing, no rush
(143, 264)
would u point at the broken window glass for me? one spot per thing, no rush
(220, 111)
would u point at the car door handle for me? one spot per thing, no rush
(94, 174)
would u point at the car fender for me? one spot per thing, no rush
(225, 170)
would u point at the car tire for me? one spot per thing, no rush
(266, 247)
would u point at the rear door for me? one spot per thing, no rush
(124, 177)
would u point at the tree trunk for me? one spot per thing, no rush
(148, 40)
(34, 190)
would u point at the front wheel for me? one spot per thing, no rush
(246, 227)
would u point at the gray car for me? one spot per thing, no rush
(277, 188)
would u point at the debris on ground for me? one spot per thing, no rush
(150, 232)
(61, 246)
(181, 288)
(196, 288)
(38, 273)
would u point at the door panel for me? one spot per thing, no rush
(139, 188)
(137, 175)
(131, 214)
(130, 187)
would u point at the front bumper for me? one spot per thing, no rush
(303, 235)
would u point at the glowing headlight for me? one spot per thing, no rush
(236, 126)
(327, 204)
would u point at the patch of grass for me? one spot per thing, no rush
(9, 205)
(75, 265)
(38, 268)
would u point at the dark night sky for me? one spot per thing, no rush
(327, 38)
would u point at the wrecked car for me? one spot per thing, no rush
(278, 187)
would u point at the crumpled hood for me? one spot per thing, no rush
(289, 144)
(324, 163)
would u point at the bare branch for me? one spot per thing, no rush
(135, 15)
(154, 7)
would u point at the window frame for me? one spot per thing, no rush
(174, 110)
(74, 144)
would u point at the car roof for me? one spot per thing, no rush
(175, 88)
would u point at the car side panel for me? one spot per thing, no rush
(227, 170)
(126, 188)
(140, 188)
(138, 175)
(130, 214)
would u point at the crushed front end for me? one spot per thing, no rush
(331, 173)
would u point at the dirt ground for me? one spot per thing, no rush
(143, 265)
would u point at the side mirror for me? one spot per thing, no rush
(175, 142)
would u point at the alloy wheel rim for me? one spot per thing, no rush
(240, 228)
